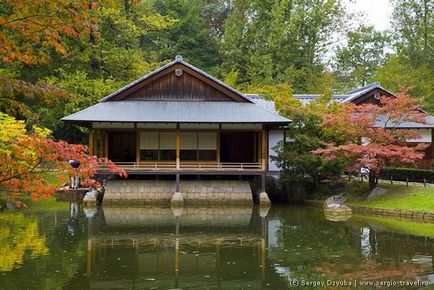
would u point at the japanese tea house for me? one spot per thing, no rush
(180, 121)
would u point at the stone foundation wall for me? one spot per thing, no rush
(138, 191)
(401, 214)
(193, 191)
(216, 191)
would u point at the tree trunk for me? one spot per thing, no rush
(373, 180)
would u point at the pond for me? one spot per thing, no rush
(209, 248)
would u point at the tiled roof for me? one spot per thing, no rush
(171, 112)
(265, 104)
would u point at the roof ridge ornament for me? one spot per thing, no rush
(178, 57)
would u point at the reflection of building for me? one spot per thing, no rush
(178, 120)
(178, 247)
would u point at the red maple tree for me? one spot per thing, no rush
(371, 136)
(27, 158)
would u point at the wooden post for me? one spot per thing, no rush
(178, 151)
(99, 149)
(264, 150)
(102, 144)
(137, 147)
(106, 142)
(218, 148)
(96, 144)
(91, 142)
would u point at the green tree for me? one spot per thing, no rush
(280, 41)
(397, 74)
(190, 36)
(413, 26)
(412, 68)
(92, 66)
(295, 158)
(363, 54)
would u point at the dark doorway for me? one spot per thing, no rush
(238, 147)
(122, 147)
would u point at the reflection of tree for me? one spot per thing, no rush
(312, 248)
(305, 239)
(51, 271)
(19, 234)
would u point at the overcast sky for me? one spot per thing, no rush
(378, 12)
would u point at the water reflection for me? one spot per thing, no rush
(137, 247)
(19, 235)
(209, 247)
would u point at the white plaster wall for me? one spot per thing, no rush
(274, 136)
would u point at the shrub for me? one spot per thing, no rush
(412, 174)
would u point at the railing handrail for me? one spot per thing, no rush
(189, 165)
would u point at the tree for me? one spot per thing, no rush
(363, 54)
(98, 48)
(30, 33)
(15, 95)
(412, 67)
(373, 137)
(30, 30)
(25, 157)
(397, 74)
(295, 158)
(189, 36)
(280, 41)
(413, 26)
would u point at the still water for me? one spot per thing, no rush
(208, 248)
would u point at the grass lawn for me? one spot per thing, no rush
(47, 204)
(52, 177)
(397, 197)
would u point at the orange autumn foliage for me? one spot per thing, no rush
(31, 29)
(25, 157)
(370, 136)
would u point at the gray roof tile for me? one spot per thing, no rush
(183, 112)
